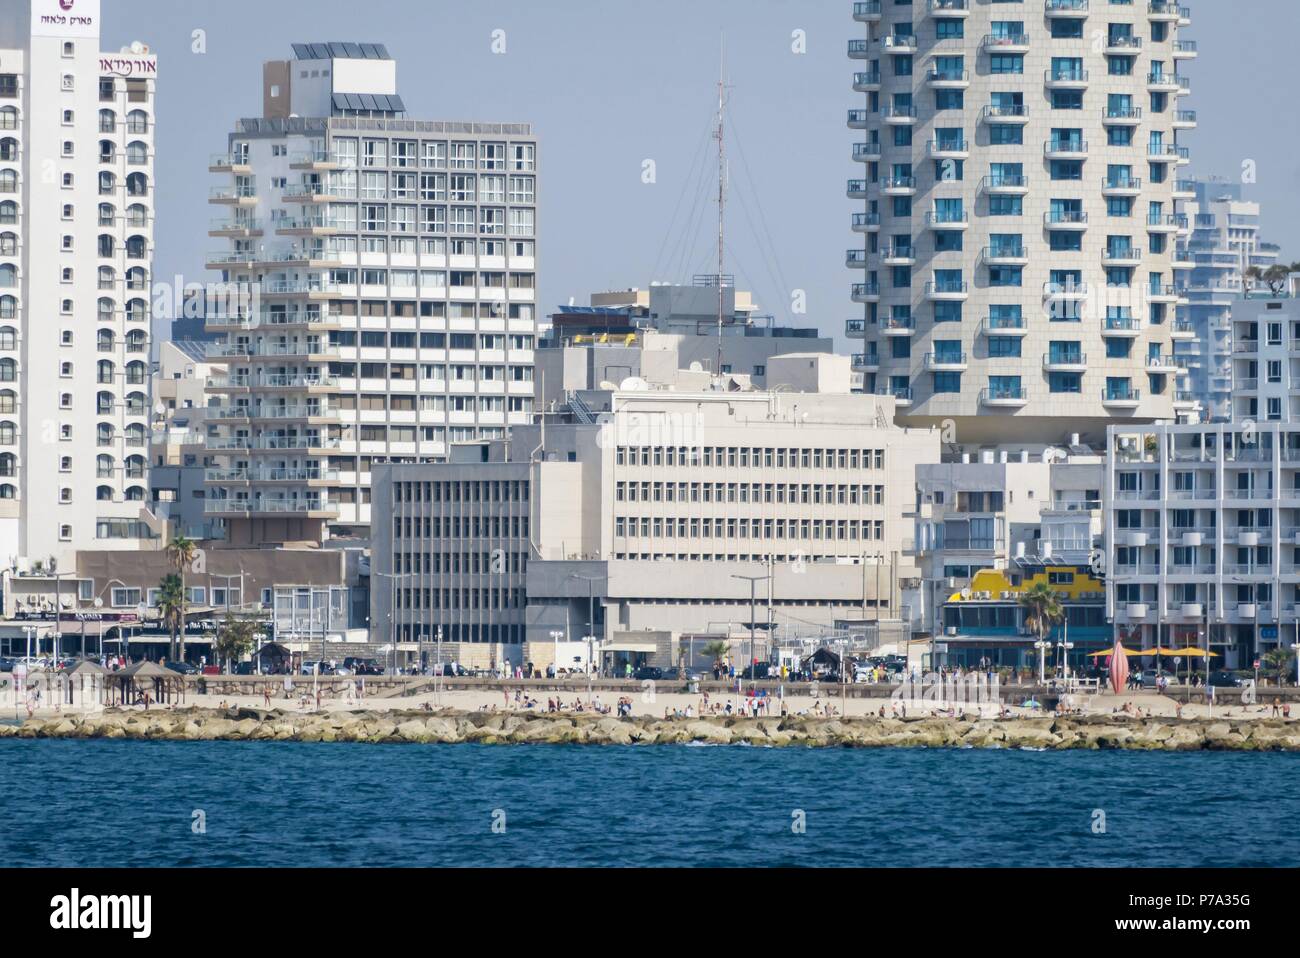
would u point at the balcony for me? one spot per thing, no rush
(1067, 362)
(1161, 82)
(1184, 190)
(1004, 397)
(866, 222)
(1065, 291)
(899, 44)
(866, 292)
(859, 119)
(1122, 116)
(1121, 398)
(897, 115)
(1004, 326)
(1068, 149)
(1014, 184)
(1185, 50)
(1065, 220)
(937, 79)
(314, 161)
(857, 189)
(866, 152)
(1005, 43)
(897, 326)
(1184, 119)
(1162, 293)
(866, 81)
(1066, 79)
(1005, 255)
(1163, 11)
(241, 195)
(951, 149)
(898, 255)
(229, 163)
(855, 328)
(1129, 186)
(1164, 365)
(309, 225)
(866, 11)
(948, 8)
(948, 291)
(947, 220)
(1182, 330)
(865, 362)
(902, 394)
(322, 508)
(1162, 152)
(855, 259)
(1166, 222)
(1067, 9)
(1016, 113)
(945, 362)
(1123, 46)
(1121, 256)
(859, 50)
(235, 228)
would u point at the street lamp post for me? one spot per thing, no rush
(1042, 645)
(591, 624)
(753, 581)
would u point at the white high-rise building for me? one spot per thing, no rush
(76, 242)
(1225, 243)
(393, 262)
(1019, 219)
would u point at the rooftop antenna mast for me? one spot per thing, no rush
(722, 191)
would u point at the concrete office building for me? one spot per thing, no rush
(690, 314)
(394, 263)
(1017, 212)
(1225, 243)
(76, 247)
(1203, 521)
(176, 447)
(633, 513)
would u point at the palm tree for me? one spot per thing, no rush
(1280, 661)
(171, 607)
(1042, 609)
(718, 649)
(182, 552)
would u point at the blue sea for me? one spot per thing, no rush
(69, 803)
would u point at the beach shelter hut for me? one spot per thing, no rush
(85, 684)
(821, 662)
(147, 679)
(275, 658)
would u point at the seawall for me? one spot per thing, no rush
(447, 727)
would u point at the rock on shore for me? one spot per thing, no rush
(493, 728)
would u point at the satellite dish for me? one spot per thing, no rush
(606, 384)
(634, 384)
(696, 367)
(966, 593)
(137, 47)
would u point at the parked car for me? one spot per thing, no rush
(211, 670)
(650, 672)
(1223, 679)
(1151, 676)
(184, 668)
(359, 666)
(246, 668)
(7, 664)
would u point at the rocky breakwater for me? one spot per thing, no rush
(394, 727)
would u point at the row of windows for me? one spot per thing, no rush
(496, 562)
(801, 493)
(744, 457)
(844, 530)
(464, 598)
(493, 490)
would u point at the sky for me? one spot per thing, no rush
(622, 96)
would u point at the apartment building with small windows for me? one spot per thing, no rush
(1203, 520)
(76, 244)
(1018, 215)
(638, 513)
(392, 265)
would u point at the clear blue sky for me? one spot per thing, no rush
(611, 83)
